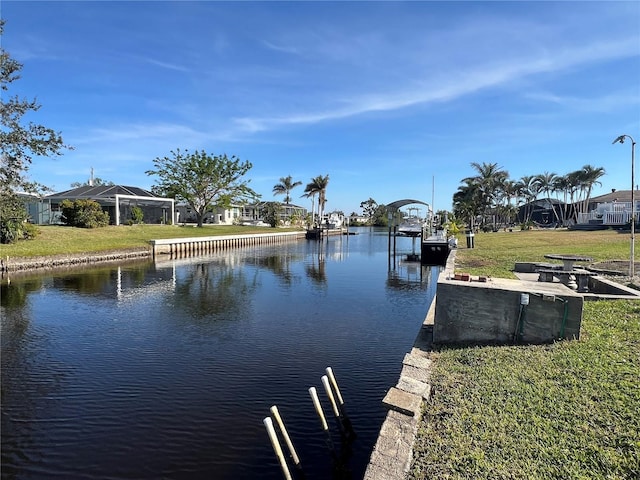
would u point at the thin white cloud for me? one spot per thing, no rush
(604, 103)
(281, 48)
(456, 84)
(140, 132)
(166, 65)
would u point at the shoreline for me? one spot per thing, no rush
(14, 265)
(392, 454)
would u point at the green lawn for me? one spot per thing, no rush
(570, 410)
(495, 254)
(54, 240)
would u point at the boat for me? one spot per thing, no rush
(412, 225)
(334, 220)
(313, 234)
(435, 249)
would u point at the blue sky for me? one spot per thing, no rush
(387, 98)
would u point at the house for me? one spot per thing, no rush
(116, 200)
(610, 210)
(358, 219)
(253, 214)
(219, 215)
(617, 196)
(544, 212)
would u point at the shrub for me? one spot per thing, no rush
(84, 214)
(14, 223)
(137, 214)
(526, 225)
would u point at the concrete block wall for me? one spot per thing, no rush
(491, 312)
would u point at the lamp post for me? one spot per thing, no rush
(621, 139)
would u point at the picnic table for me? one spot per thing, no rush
(575, 279)
(568, 260)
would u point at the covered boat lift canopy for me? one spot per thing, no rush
(392, 209)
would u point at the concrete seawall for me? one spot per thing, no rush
(393, 452)
(30, 264)
(174, 246)
(200, 245)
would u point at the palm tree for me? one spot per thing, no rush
(561, 185)
(545, 184)
(527, 189)
(508, 190)
(590, 176)
(489, 178)
(574, 185)
(318, 185)
(467, 203)
(284, 188)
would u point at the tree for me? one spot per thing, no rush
(84, 214)
(284, 188)
(270, 212)
(380, 216)
(318, 185)
(96, 182)
(203, 180)
(369, 208)
(487, 184)
(468, 203)
(13, 220)
(590, 176)
(20, 141)
(561, 186)
(545, 184)
(528, 190)
(137, 215)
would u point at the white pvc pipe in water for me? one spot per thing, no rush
(335, 384)
(346, 423)
(285, 435)
(316, 403)
(327, 387)
(276, 447)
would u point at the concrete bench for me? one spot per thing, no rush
(574, 279)
(548, 266)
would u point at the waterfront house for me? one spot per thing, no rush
(254, 214)
(612, 210)
(217, 216)
(116, 200)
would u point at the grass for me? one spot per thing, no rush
(568, 410)
(54, 240)
(495, 254)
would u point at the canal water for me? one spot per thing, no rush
(166, 370)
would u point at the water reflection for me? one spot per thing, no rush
(281, 264)
(30, 373)
(213, 290)
(409, 275)
(15, 296)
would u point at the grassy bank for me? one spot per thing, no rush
(496, 253)
(54, 240)
(563, 411)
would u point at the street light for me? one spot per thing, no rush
(620, 139)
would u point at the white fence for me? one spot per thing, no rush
(613, 213)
